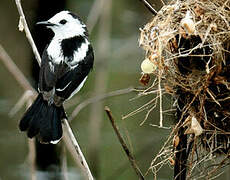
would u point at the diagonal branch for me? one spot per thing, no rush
(98, 98)
(67, 128)
(27, 30)
(13, 69)
(124, 146)
(77, 148)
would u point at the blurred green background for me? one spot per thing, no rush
(117, 66)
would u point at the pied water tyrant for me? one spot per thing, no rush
(66, 63)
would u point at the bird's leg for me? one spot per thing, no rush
(49, 96)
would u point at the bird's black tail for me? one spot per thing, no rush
(43, 120)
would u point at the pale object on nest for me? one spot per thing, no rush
(195, 127)
(188, 24)
(176, 141)
(147, 66)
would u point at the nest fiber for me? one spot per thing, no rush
(188, 44)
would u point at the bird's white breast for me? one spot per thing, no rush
(54, 51)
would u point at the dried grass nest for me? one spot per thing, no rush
(187, 47)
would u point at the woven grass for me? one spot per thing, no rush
(193, 66)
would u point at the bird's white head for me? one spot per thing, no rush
(65, 24)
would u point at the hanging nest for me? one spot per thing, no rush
(187, 48)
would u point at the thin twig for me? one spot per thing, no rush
(124, 146)
(162, 2)
(25, 97)
(27, 31)
(98, 98)
(149, 6)
(66, 123)
(161, 102)
(13, 69)
(31, 158)
(77, 149)
(219, 166)
(32, 151)
(64, 164)
(73, 152)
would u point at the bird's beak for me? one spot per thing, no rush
(45, 23)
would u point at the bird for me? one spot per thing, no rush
(66, 62)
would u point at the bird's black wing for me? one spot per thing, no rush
(47, 76)
(50, 72)
(73, 78)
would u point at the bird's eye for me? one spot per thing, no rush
(63, 21)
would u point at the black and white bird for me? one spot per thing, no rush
(66, 63)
